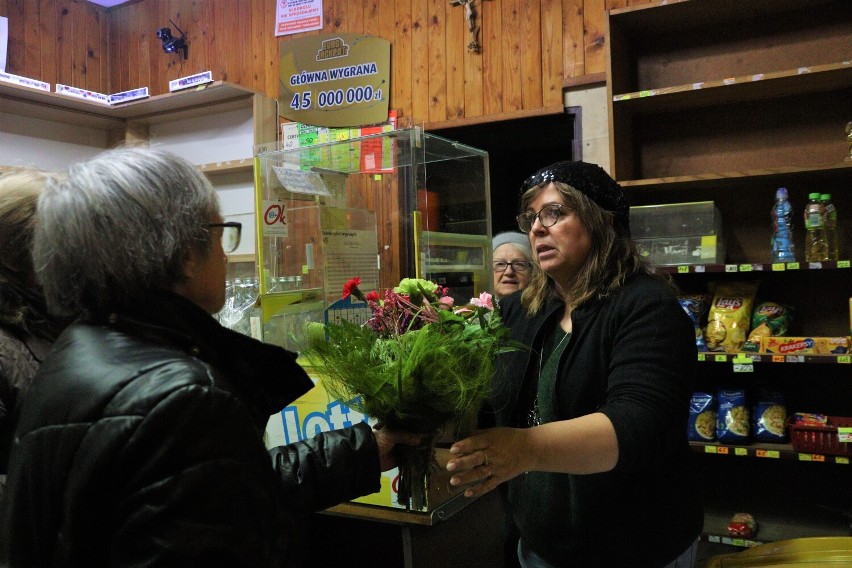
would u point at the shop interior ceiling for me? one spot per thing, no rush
(109, 3)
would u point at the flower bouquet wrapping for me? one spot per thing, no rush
(419, 364)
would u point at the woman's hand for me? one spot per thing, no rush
(488, 458)
(386, 439)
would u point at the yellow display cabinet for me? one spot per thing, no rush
(398, 204)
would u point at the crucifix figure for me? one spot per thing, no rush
(470, 16)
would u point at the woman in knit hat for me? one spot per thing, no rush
(591, 420)
(512, 261)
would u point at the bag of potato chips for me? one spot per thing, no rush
(730, 315)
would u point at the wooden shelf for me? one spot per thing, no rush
(729, 90)
(228, 167)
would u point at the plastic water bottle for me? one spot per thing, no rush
(816, 248)
(829, 216)
(782, 228)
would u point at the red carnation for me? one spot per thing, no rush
(351, 287)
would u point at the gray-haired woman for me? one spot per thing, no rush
(591, 437)
(140, 442)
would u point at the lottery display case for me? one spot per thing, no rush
(401, 203)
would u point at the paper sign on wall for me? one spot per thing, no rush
(296, 16)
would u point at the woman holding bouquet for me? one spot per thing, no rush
(590, 439)
(140, 440)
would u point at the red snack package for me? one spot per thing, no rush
(742, 525)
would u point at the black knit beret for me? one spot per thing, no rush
(590, 179)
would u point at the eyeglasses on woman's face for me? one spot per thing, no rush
(518, 266)
(547, 216)
(231, 233)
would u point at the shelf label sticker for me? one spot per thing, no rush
(746, 267)
(794, 358)
(792, 266)
(720, 358)
(744, 367)
(700, 355)
(844, 434)
(843, 264)
(778, 359)
(844, 359)
(775, 454)
(730, 268)
(722, 450)
(683, 269)
(740, 452)
(645, 93)
(815, 265)
(806, 457)
(711, 449)
(699, 268)
(778, 267)
(841, 460)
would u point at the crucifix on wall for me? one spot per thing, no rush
(472, 26)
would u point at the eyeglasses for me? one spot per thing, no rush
(518, 266)
(548, 216)
(231, 232)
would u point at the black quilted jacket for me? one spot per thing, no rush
(140, 444)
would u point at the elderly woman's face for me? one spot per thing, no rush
(516, 276)
(562, 248)
(205, 276)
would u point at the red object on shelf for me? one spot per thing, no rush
(821, 438)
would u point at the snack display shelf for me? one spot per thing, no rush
(749, 358)
(755, 267)
(765, 451)
(771, 527)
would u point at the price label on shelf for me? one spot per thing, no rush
(778, 359)
(841, 459)
(843, 264)
(740, 451)
(778, 267)
(730, 268)
(746, 268)
(743, 364)
(720, 358)
(775, 454)
(792, 266)
(844, 434)
(683, 270)
(844, 359)
(700, 355)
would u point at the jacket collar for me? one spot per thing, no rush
(267, 375)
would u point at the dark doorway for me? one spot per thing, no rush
(516, 149)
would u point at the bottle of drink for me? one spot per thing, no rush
(782, 228)
(816, 249)
(829, 216)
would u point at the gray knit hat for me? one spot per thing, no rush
(520, 240)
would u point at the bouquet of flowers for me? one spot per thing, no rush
(418, 364)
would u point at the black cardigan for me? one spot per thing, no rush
(631, 357)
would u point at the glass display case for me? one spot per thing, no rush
(401, 203)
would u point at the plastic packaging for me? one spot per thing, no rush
(782, 228)
(829, 216)
(816, 247)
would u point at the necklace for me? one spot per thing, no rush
(534, 415)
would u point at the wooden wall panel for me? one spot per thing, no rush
(511, 71)
(401, 57)
(529, 47)
(492, 57)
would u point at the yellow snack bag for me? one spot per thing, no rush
(730, 315)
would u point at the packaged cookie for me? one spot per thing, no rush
(702, 417)
(732, 420)
(730, 315)
(769, 418)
